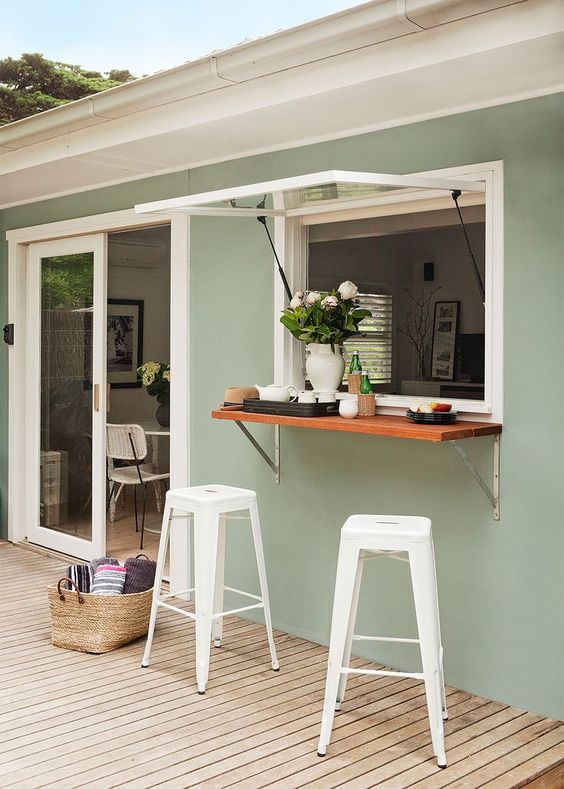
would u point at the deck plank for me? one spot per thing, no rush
(100, 721)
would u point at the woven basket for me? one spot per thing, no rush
(96, 623)
(353, 383)
(366, 405)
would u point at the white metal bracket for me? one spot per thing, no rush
(274, 464)
(491, 495)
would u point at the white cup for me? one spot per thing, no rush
(326, 397)
(348, 407)
(306, 397)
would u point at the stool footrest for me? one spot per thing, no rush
(245, 594)
(176, 594)
(175, 608)
(381, 672)
(386, 638)
(237, 610)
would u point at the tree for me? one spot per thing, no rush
(32, 84)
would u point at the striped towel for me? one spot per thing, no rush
(81, 575)
(109, 579)
(95, 563)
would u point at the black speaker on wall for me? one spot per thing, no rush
(429, 272)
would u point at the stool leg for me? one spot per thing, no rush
(257, 539)
(163, 545)
(426, 610)
(350, 634)
(342, 605)
(217, 624)
(206, 532)
(442, 673)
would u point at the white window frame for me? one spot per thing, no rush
(291, 240)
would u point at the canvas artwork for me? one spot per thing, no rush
(445, 330)
(124, 341)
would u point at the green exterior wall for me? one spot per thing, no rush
(501, 584)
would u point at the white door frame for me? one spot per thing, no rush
(18, 242)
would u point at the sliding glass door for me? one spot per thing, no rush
(66, 396)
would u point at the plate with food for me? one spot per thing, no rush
(433, 413)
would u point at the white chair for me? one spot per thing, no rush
(128, 443)
(373, 536)
(209, 505)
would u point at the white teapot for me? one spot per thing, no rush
(278, 393)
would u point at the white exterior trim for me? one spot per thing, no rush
(96, 223)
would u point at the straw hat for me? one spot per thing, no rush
(236, 394)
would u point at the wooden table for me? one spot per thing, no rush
(379, 425)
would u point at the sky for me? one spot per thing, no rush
(145, 36)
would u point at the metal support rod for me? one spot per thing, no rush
(493, 497)
(274, 464)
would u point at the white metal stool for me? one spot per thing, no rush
(373, 536)
(209, 505)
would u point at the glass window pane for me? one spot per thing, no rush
(66, 393)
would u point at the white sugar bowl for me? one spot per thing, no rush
(348, 407)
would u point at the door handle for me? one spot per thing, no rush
(96, 397)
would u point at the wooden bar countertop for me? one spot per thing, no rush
(397, 426)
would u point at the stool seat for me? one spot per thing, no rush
(225, 497)
(387, 527)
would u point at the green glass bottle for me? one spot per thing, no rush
(355, 365)
(365, 385)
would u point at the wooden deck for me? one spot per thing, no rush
(75, 720)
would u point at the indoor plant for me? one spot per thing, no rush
(324, 320)
(155, 377)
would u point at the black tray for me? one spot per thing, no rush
(434, 418)
(255, 406)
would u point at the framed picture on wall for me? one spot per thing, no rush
(124, 342)
(445, 329)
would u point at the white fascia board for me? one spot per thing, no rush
(303, 181)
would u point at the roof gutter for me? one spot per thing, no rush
(354, 28)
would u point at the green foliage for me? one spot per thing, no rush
(329, 320)
(66, 282)
(32, 84)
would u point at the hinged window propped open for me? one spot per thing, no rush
(314, 192)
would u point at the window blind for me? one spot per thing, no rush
(375, 344)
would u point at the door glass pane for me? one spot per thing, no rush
(66, 393)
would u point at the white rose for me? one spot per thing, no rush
(148, 379)
(298, 299)
(313, 296)
(348, 290)
(166, 375)
(330, 302)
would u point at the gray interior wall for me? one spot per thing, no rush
(142, 272)
(394, 263)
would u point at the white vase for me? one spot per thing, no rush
(324, 367)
